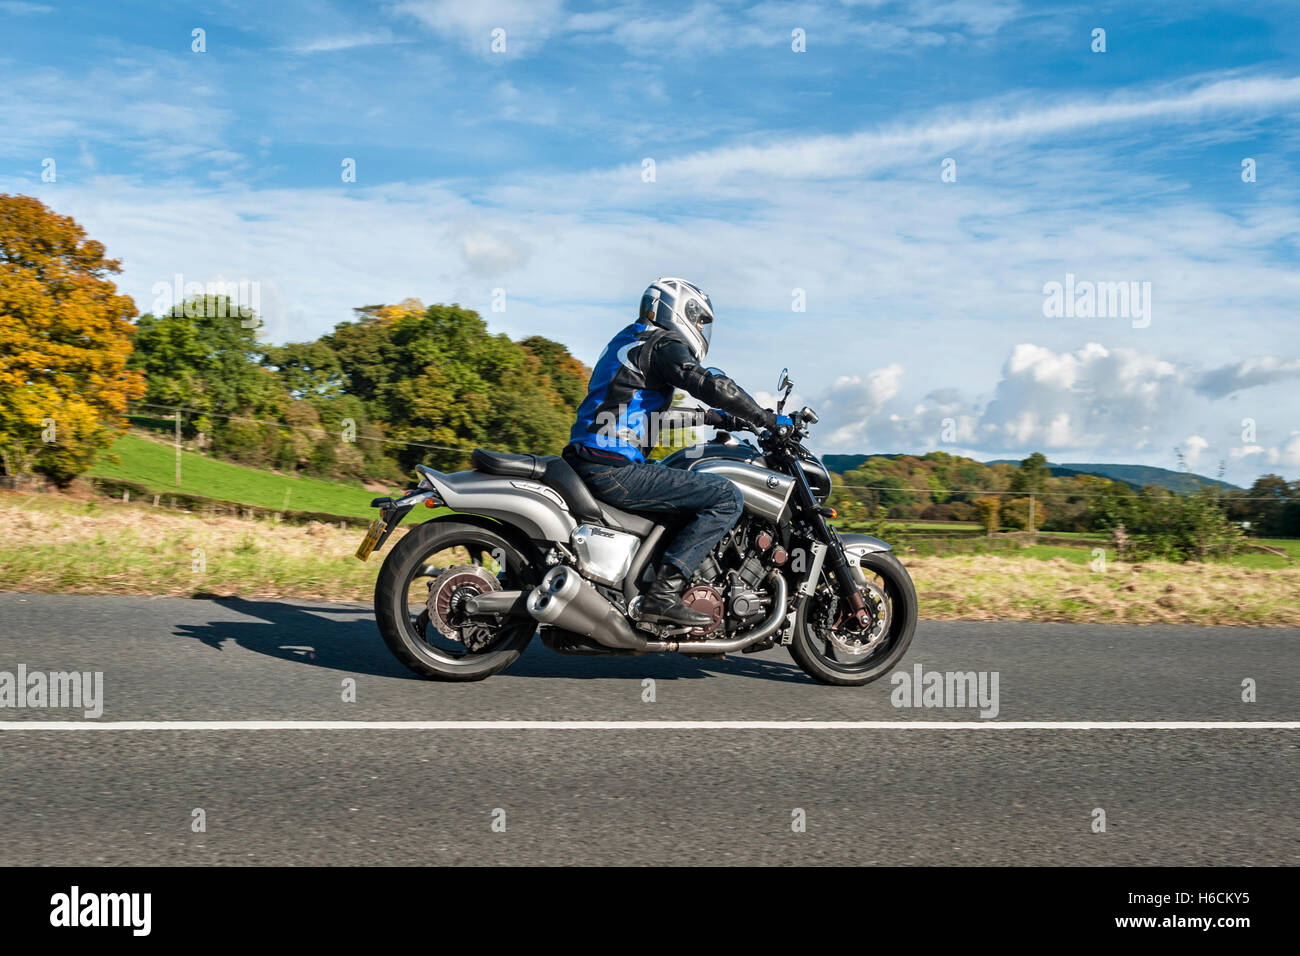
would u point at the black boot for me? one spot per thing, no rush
(663, 601)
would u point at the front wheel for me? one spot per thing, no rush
(421, 593)
(831, 650)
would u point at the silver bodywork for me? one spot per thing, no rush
(809, 585)
(855, 546)
(534, 509)
(539, 512)
(604, 555)
(767, 492)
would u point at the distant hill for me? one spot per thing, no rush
(1134, 475)
(1139, 475)
(842, 463)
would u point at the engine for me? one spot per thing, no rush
(728, 586)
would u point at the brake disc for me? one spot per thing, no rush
(857, 643)
(448, 593)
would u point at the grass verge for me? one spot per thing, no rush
(63, 545)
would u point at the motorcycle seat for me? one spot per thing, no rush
(556, 473)
(508, 465)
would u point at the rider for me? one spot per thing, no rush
(633, 382)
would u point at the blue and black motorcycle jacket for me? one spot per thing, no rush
(633, 382)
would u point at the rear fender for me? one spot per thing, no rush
(533, 508)
(517, 538)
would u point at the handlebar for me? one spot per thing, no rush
(726, 421)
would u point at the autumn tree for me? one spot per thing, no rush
(65, 337)
(988, 507)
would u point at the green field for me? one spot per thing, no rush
(154, 465)
(1046, 552)
(1290, 545)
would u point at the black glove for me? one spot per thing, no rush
(717, 418)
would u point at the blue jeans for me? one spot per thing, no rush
(713, 503)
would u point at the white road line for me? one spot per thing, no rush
(42, 726)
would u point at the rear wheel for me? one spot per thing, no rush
(829, 646)
(421, 593)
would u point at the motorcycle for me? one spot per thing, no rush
(525, 548)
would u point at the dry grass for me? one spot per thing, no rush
(97, 547)
(988, 587)
(56, 544)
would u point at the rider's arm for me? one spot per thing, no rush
(672, 361)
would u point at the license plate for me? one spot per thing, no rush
(371, 539)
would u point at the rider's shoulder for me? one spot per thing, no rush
(657, 337)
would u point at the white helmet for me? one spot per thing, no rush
(681, 307)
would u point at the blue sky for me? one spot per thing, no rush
(775, 170)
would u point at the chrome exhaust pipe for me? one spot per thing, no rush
(567, 601)
(503, 603)
(758, 633)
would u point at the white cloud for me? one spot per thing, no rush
(350, 40)
(708, 27)
(491, 254)
(527, 23)
(18, 8)
(1079, 399)
(855, 401)
(1248, 373)
(839, 156)
(1193, 445)
(1091, 403)
(1288, 453)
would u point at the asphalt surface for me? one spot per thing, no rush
(637, 796)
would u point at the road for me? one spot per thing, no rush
(638, 795)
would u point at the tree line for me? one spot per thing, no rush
(1152, 519)
(399, 384)
(75, 361)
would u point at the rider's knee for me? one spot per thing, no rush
(730, 500)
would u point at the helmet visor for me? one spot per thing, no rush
(700, 315)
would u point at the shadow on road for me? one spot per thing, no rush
(540, 662)
(345, 639)
(338, 638)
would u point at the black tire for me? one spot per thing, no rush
(897, 584)
(393, 611)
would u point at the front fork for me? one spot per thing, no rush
(835, 560)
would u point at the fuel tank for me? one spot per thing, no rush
(766, 492)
